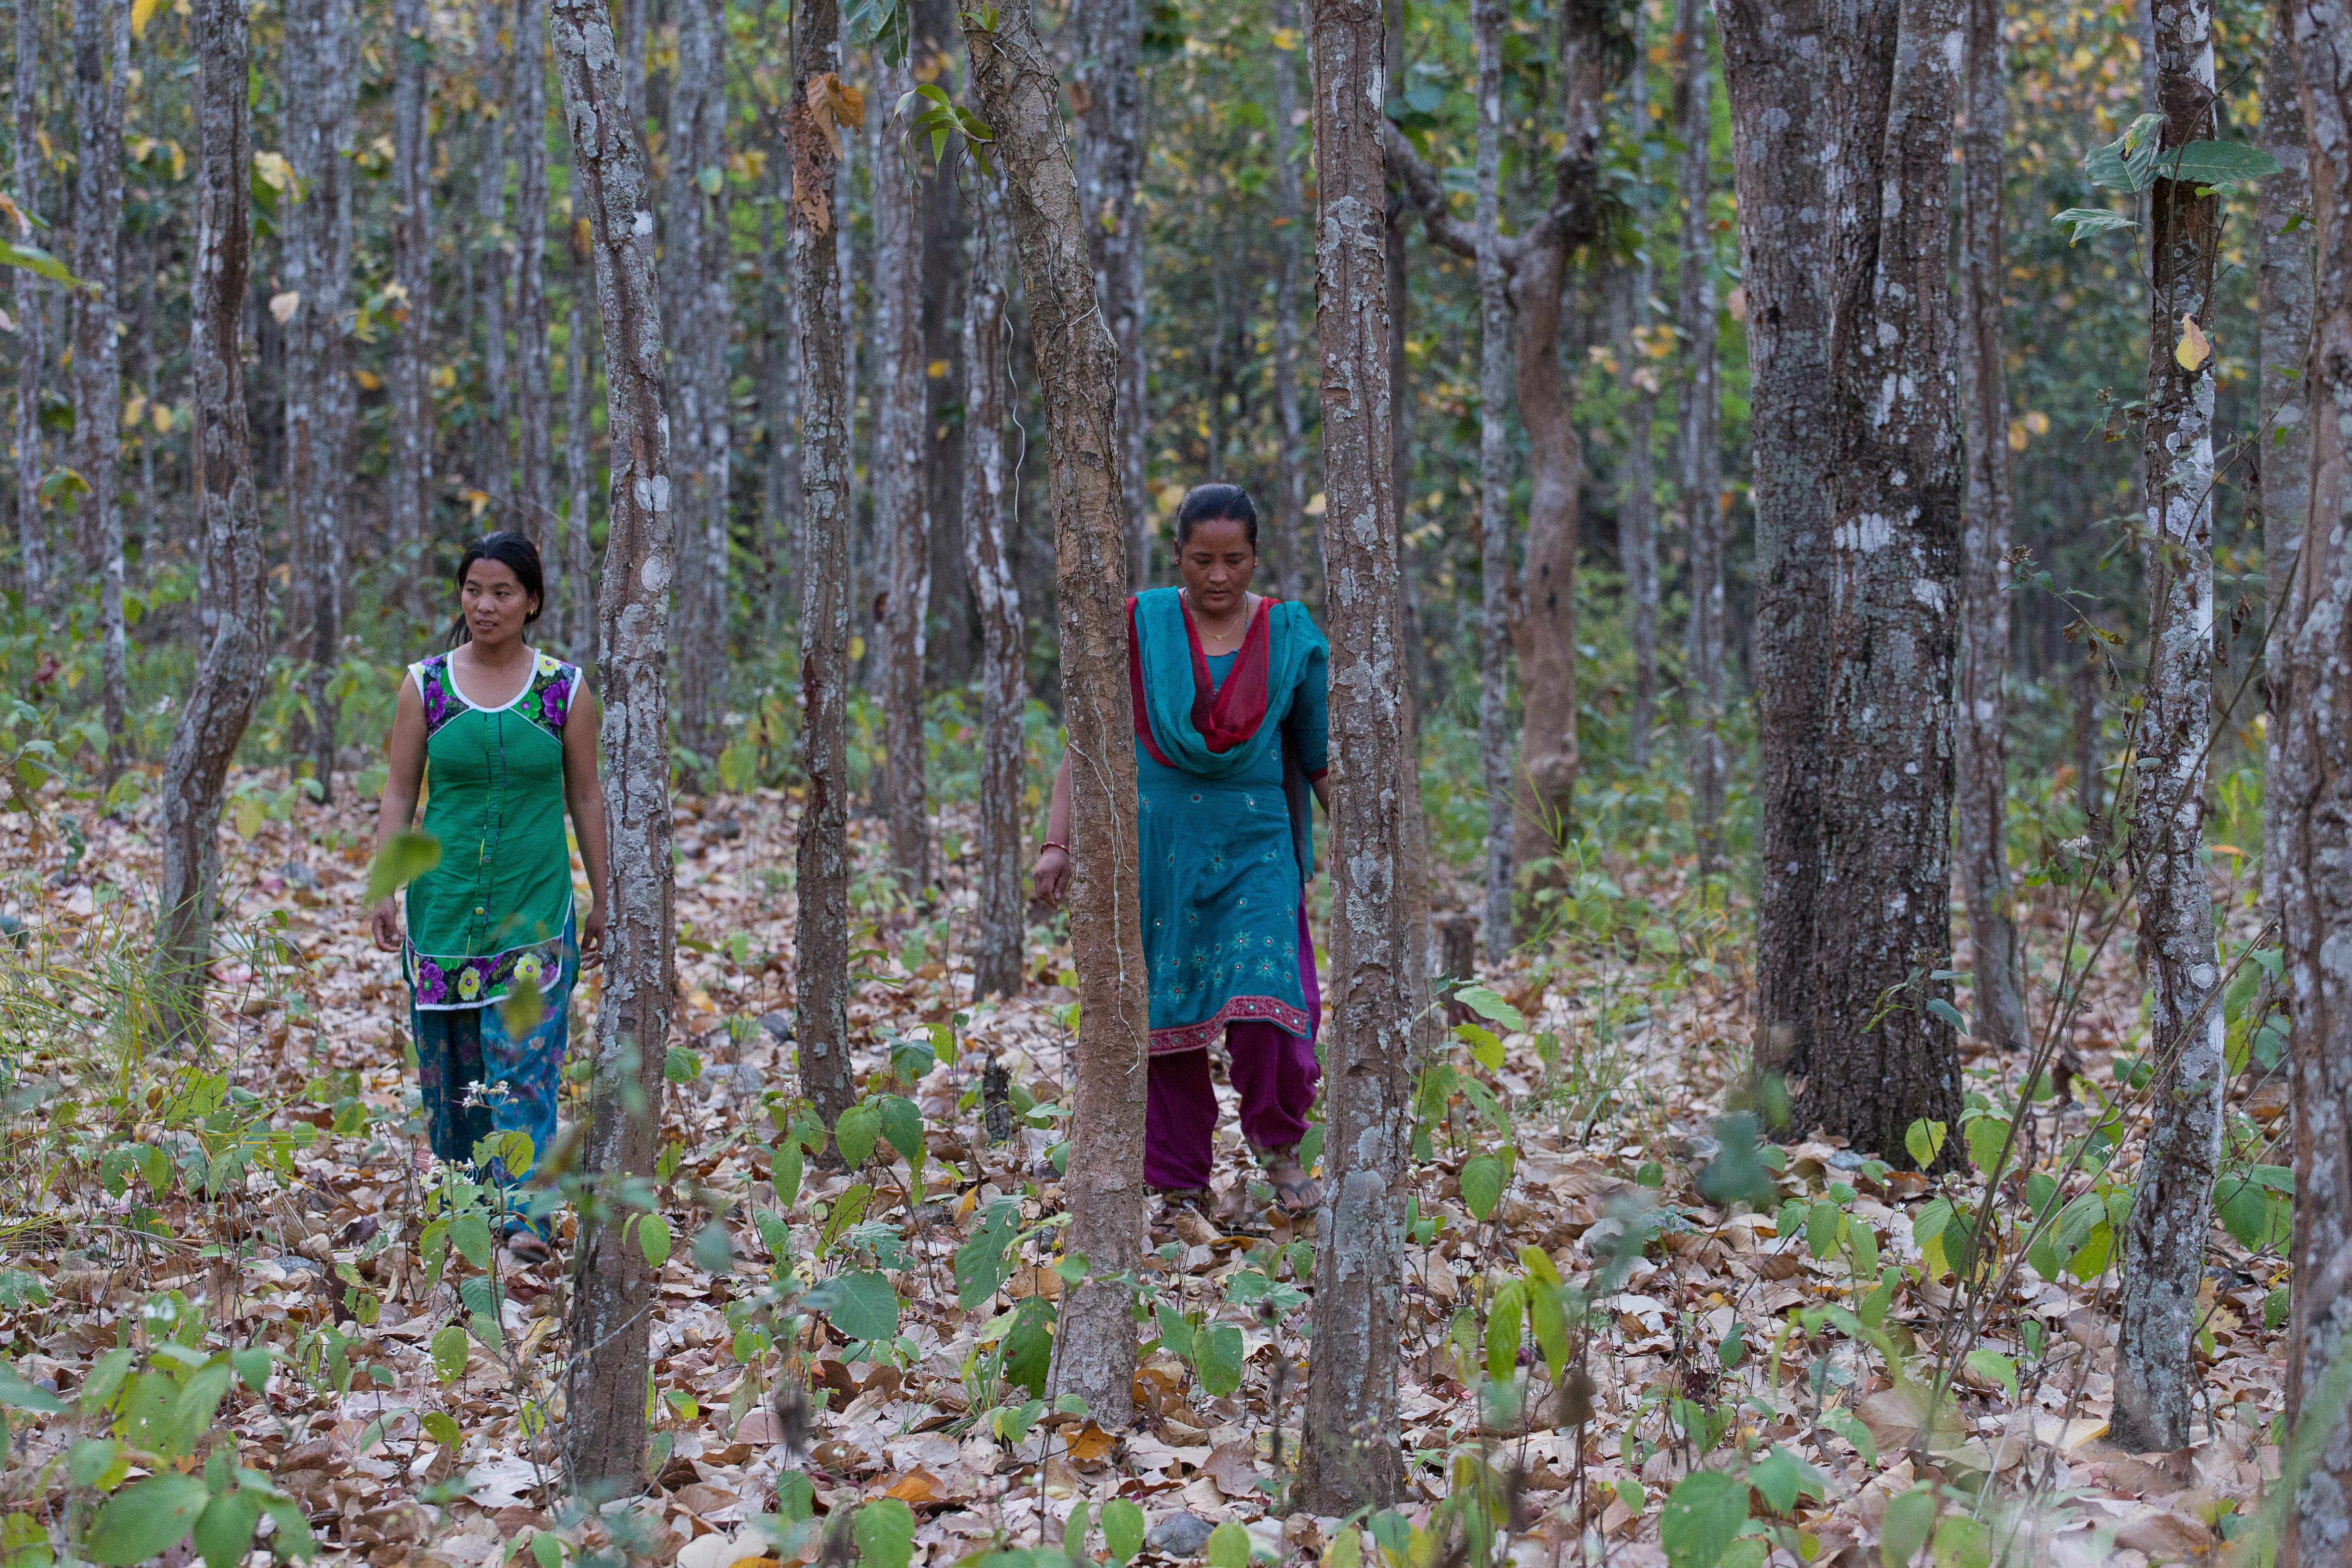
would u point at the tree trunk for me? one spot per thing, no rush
(1349, 1453)
(490, 221)
(1982, 711)
(693, 259)
(533, 392)
(1289, 216)
(409, 482)
(1081, 369)
(1003, 686)
(229, 670)
(612, 1290)
(1495, 750)
(779, 397)
(951, 638)
(1698, 457)
(1637, 501)
(1857, 494)
(32, 528)
(821, 975)
(102, 42)
(2315, 800)
(1109, 95)
(901, 418)
(2281, 459)
(2164, 1248)
(579, 465)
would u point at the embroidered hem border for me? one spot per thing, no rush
(441, 984)
(1236, 1010)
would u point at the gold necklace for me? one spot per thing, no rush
(1208, 637)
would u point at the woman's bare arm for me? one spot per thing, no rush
(404, 781)
(1051, 875)
(583, 796)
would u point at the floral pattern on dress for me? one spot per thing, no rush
(444, 982)
(546, 703)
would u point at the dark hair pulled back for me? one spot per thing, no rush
(518, 554)
(1216, 503)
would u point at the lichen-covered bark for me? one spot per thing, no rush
(1004, 688)
(2281, 460)
(1078, 366)
(1841, 121)
(32, 528)
(695, 267)
(1698, 456)
(1348, 1451)
(1494, 751)
(579, 468)
(1983, 709)
(780, 401)
(408, 478)
(2315, 757)
(820, 955)
(496, 456)
(533, 390)
(612, 1290)
(901, 517)
(1289, 219)
(101, 75)
(1637, 502)
(1109, 170)
(230, 667)
(2171, 1219)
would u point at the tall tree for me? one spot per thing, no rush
(1496, 582)
(230, 667)
(1982, 709)
(533, 390)
(1349, 1451)
(819, 105)
(490, 67)
(1080, 368)
(32, 528)
(1637, 502)
(101, 77)
(951, 635)
(696, 275)
(409, 479)
(902, 435)
(1109, 95)
(2316, 751)
(1698, 456)
(1842, 146)
(2281, 459)
(579, 463)
(779, 400)
(2164, 1247)
(609, 1324)
(1289, 220)
(1004, 684)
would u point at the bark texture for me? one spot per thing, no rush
(1699, 447)
(230, 669)
(2282, 455)
(1080, 368)
(32, 528)
(695, 276)
(612, 1290)
(1496, 584)
(821, 973)
(1004, 684)
(1982, 711)
(1349, 1453)
(1637, 501)
(101, 75)
(2171, 1219)
(496, 456)
(1289, 219)
(900, 513)
(1110, 167)
(579, 466)
(408, 480)
(533, 389)
(1842, 136)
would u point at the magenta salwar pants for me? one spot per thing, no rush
(1273, 1073)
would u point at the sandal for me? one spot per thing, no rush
(1295, 1193)
(524, 1243)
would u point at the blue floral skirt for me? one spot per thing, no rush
(482, 1078)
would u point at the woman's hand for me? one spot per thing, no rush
(386, 924)
(1051, 876)
(592, 939)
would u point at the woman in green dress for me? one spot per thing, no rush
(504, 738)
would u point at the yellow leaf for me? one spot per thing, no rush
(179, 153)
(2195, 347)
(479, 501)
(163, 417)
(848, 103)
(1317, 504)
(937, 370)
(274, 170)
(2038, 423)
(135, 411)
(369, 379)
(444, 379)
(1285, 38)
(856, 649)
(142, 13)
(2017, 436)
(283, 306)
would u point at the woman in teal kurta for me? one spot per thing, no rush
(1229, 690)
(505, 736)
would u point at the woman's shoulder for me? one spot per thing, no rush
(554, 686)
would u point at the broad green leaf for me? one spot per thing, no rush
(1986, 1135)
(2128, 163)
(1736, 1174)
(1029, 1345)
(89, 1460)
(1482, 1185)
(252, 1368)
(2217, 164)
(443, 1430)
(785, 1171)
(38, 262)
(1924, 1142)
(1217, 1358)
(2251, 1212)
(200, 1398)
(855, 1134)
(1995, 1368)
(654, 1238)
(146, 1520)
(885, 1533)
(848, 1210)
(1821, 1228)
(524, 1009)
(1781, 1478)
(1229, 1546)
(448, 1353)
(470, 1235)
(1905, 1527)
(979, 1263)
(1701, 1516)
(859, 1305)
(1122, 1528)
(224, 1531)
(1944, 1012)
(1485, 1048)
(710, 178)
(1505, 1327)
(18, 1394)
(902, 1127)
(1963, 1543)
(406, 856)
(1489, 1005)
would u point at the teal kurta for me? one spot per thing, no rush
(1221, 862)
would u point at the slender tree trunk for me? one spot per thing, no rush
(1637, 501)
(633, 38)
(821, 978)
(779, 397)
(409, 483)
(692, 240)
(101, 75)
(230, 669)
(1496, 582)
(1349, 1451)
(533, 392)
(2315, 791)
(1003, 686)
(2282, 458)
(1699, 457)
(1081, 369)
(1982, 711)
(579, 549)
(612, 1290)
(490, 67)
(1109, 91)
(32, 528)
(902, 394)
(1843, 140)
(951, 636)
(1289, 219)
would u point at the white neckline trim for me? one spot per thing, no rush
(531, 678)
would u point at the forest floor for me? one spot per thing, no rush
(1791, 1336)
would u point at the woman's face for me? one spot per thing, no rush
(494, 603)
(1216, 563)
